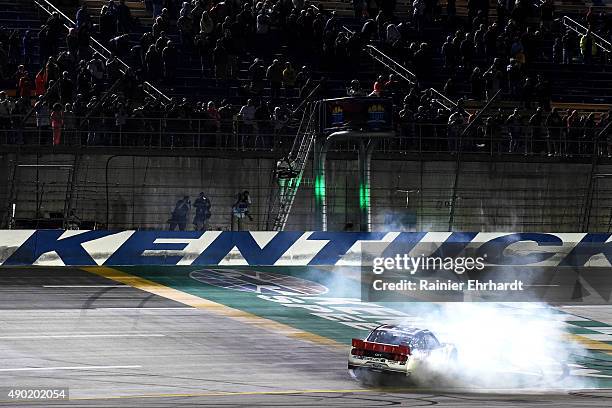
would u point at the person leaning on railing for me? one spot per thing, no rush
(5, 115)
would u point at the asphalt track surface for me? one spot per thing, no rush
(115, 345)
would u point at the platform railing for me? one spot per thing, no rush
(578, 28)
(410, 137)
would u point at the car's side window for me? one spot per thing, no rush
(431, 341)
(420, 343)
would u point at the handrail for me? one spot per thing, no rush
(446, 98)
(370, 47)
(306, 99)
(597, 36)
(412, 77)
(104, 52)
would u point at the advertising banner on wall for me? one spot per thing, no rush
(395, 266)
(366, 114)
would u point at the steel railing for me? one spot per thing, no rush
(403, 72)
(410, 137)
(599, 41)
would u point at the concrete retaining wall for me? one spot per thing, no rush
(413, 195)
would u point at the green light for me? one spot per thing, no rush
(319, 187)
(364, 196)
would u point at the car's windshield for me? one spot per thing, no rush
(391, 337)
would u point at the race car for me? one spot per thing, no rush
(399, 350)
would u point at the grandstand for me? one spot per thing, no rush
(494, 115)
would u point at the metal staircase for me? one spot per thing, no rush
(285, 189)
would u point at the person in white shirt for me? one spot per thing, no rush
(247, 117)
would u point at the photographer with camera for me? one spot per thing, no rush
(180, 214)
(202, 207)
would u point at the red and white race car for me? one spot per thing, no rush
(399, 350)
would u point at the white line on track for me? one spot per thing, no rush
(69, 336)
(86, 286)
(81, 368)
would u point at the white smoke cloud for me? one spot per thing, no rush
(516, 346)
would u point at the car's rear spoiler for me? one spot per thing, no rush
(380, 347)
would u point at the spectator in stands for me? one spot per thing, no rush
(543, 92)
(153, 63)
(274, 74)
(207, 25)
(70, 124)
(247, 121)
(41, 82)
(202, 212)
(587, 47)
(57, 123)
(379, 86)
(180, 213)
(455, 126)
(557, 51)
(289, 77)
(406, 127)
(418, 13)
(5, 113)
(513, 72)
(24, 87)
(96, 70)
(185, 26)
(568, 42)
(66, 88)
(392, 35)
(450, 89)
(124, 18)
(257, 74)
(263, 116)
(94, 121)
(604, 132)
(477, 83)
(449, 53)
(547, 12)
(121, 116)
(108, 23)
(83, 19)
(588, 141)
(220, 60)
(515, 130)
(42, 119)
(226, 119)
(354, 89)
(467, 52)
(535, 137)
(169, 56)
(27, 48)
(280, 118)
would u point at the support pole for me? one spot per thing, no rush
(320, 156)
(366, 149)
